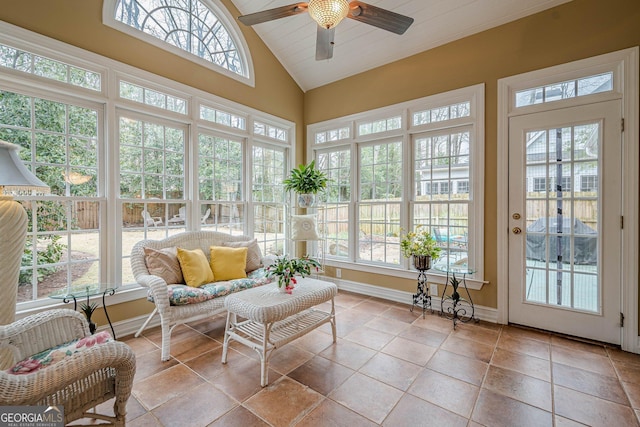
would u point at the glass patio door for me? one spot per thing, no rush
(564, 220)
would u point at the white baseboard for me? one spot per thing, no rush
(486, 314)
(130, 326)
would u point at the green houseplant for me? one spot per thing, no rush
(285, 268)
(88, 310)
(420, 245)
(306, 180)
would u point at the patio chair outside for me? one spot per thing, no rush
(151, 220)
(203, 220)
(180, 218)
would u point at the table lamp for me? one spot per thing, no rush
(15, 179)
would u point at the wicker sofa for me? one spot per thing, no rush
(178, 303)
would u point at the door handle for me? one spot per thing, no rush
(516, 230)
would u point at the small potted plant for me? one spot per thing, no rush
(420, 245)
(88, 310)
(306, 181)
(285, 268)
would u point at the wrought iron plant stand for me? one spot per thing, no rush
(453, 306)
(422, 297)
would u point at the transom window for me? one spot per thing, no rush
(565, 90)
(333, 135)
(224, 118)
(270, 131)
(191, 26)
(38, 65)
(442, 113)
(379, 126)
(154, 98)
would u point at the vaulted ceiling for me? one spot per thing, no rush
(360, 47)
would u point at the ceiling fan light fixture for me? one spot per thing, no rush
(328, 13)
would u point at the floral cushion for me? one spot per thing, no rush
(183, 294)
(51, 356)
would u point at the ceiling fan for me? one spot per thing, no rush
(328, 13)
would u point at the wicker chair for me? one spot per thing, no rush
(78, 382)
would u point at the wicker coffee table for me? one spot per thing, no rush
(273, 318)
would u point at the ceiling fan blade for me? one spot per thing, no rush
(272, 14)
(379, 17)
(324, 43)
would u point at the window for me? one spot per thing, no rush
(152, 181)
(379, 207)
(462, 186)
(372, 186)
(439, 158)
(196, 29)
(38, 65)
(222, 117)
(442, 113)
(333, 135)
(589, 183)
(61, 145)
(152, 97)
(379, 126)
(566, 184)
(269, 170)
(540, 185)
(146, 180)
(220, 183)
(270, 131)
(334, 209)
(565, 90)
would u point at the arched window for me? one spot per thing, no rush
(198, 27)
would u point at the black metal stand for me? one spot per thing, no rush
(453, 306)
(108, 291)
(422, 297)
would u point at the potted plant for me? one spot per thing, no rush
(420, 245)
(285, 268)
(306, 181)
(88, 310)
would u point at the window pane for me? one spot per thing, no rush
(335, 209)
(379, 209)
(269, 198)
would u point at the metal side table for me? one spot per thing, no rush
(87, 291)
(454, 306)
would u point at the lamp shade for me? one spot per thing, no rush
(328, 13)
(15, 178)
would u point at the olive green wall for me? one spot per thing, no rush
(576, 30)
(572, 31)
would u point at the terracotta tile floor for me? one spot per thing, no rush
(389, 367)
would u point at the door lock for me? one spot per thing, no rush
(516, 230)
(516, 216)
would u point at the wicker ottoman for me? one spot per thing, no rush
(273, 318)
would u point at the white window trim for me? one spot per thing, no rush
(474, 94)
(221, 12)
(625, 66)
(111, 71)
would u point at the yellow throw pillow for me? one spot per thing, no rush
(228, 263)
(195, 268)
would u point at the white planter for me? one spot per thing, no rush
(306, 200)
